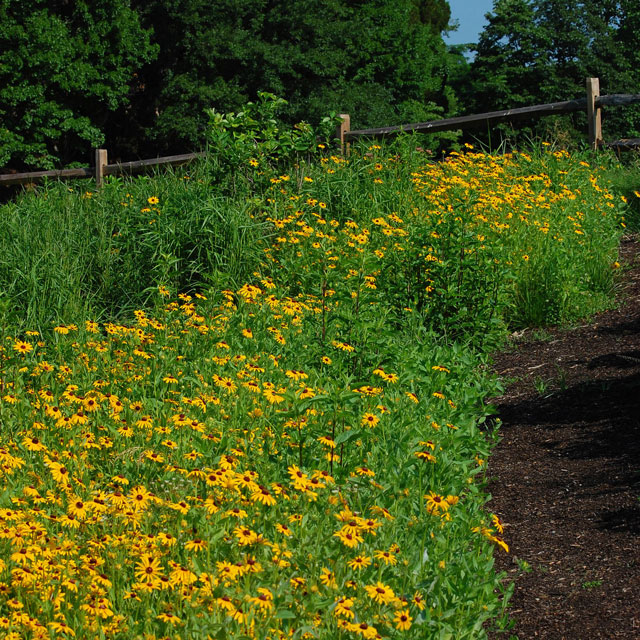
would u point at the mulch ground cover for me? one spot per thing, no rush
(565, 477)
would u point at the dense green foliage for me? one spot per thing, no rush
(302, 396)
(64, 70)
(139, 77)
(383, 61)
(253, 137)
(538, 51)
(68, 252)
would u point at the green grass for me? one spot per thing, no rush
(624, 176)
(328, 321)
(67, 252)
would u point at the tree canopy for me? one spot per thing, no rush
(381, 60)
(65, 68)
(138, 76)
(536, 51)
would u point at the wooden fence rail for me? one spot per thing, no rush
(100, 169)
(592, 103)
(538, 110)
(463, 122)
(626, 144)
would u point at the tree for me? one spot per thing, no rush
(537, 51)
(140, 74)
(384, 61)
(65, 67)
(617, 55)
(511, 58)
(434, 13)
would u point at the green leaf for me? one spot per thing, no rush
(345, 436)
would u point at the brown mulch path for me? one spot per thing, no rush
(565, 476)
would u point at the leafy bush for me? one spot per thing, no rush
(64, 69)
(255, 145)
(291, 438)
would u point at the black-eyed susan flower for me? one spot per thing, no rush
(328, 578)
(367, 631)
(344, 608)
(436, 503)
(365, 471)
(263, 496)
(297, 582)
(22, 347)
(380, 593)
(61, 628)
(386, 556)
(359, 562)
(183, 576)
(59, 472)
(196, 544)
(349, 537)
(169, 618)
(500, 542)
(139, 497)
(245, 536)
(154, 456)
(77, 508)
(23, 556)
(264, 600)
(33, 443)
(402, 620)
(327, 441)
(369, 420)
(283, 529)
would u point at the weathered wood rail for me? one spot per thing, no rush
(626, 144)
(100, 169)
(463, 122)
(593, 103)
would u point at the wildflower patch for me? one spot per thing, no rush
(300, 456)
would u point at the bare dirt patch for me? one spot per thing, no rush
(565, 476)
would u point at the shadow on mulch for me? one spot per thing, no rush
(566, 480)
(622, 328)
(604, 417)
(565, 477)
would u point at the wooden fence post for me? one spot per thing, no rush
(101, 161)
(342, 128)
(594, 115)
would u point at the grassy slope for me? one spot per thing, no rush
(346, 380)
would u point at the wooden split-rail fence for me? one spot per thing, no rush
(592, 103)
